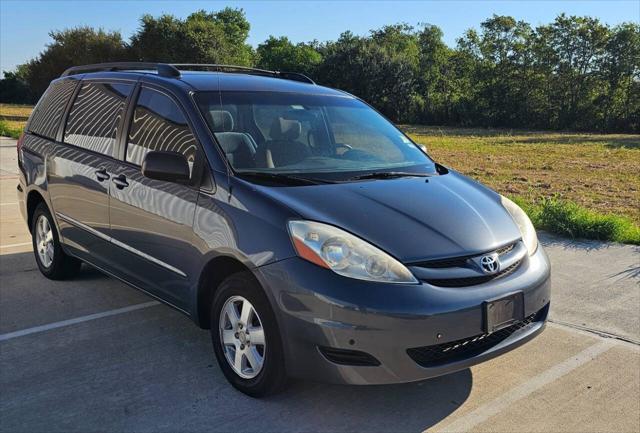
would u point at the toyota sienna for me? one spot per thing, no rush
(310, 235)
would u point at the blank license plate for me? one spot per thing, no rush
(502, 312)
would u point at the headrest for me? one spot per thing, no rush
(285, 129)
(221, 120)
(233, 141)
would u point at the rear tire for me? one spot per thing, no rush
(259, 369)
(52, 261)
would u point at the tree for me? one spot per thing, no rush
(380, 69)
(77, 46)
(620, 69)
(502, 73)
(280, 54)
(14, 88)
(576, 45)
(573, 73)
(202, 37)
(435, 78)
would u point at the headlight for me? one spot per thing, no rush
(527, 230)
(346, 254)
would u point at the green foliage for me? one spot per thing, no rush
(14, 87)
(77, 46)
(565, 75)
(7, 131)
(574, 73)
(382, 69)
(279, 54)
(202, 37)
(569, 219)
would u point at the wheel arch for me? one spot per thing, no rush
(34, 198)
(213, 274)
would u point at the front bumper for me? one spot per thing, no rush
(318, 308)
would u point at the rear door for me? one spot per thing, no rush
(80, 167)
(151, 220)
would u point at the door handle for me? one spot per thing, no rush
(102, 175)
(120, 181)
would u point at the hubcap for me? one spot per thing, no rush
(242, 337)
(44, 241)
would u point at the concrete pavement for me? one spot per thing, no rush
(596, 285)
(148, 368)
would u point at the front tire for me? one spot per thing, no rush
(52, 261)
(246, 338)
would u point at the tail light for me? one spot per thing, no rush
(19, 145)
(20, 142)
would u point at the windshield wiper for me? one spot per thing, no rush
(288, 179)
(388, 175)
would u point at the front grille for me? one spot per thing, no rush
(433, 356)
(456, 262)
(450, 262)
(348, 357)
(460, 261)
(472, 281)
(505, 249)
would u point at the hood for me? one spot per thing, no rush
(412, 219)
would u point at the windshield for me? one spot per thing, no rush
(329, 137)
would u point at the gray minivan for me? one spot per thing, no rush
(309, 234)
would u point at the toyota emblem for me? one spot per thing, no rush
(489, 264)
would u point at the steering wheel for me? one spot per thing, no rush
(344, 146)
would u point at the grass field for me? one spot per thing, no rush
(581, 185)
(11, 128)
(13, 118)
(15, 110)
(599, 172)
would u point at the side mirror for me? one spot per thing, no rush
(167, 166)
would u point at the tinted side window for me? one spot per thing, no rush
(95, 116)
(46, 117)
(159, 124)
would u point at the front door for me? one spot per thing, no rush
(151, 220)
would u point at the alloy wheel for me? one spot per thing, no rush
(242, 337)
(44, 241)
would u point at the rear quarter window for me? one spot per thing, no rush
(46, 117)
(96, 114)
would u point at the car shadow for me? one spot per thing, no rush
(25, 262)
(403, 407)
(551, 240)
(153, 369)
(198, 387)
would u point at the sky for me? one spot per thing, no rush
(25, 24)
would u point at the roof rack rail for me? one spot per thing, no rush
(295, 76)
(164, 70)
(173, 70)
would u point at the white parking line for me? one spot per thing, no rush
(43, 328)
(9, 203)
(476, 417)
(15, 245)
